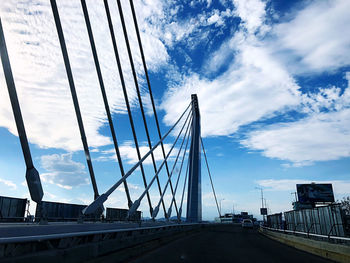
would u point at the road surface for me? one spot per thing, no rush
(227, 243)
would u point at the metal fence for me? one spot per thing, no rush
(55, 211)
(116, 214)
(324, 220)
(275, 221)
(12, 209)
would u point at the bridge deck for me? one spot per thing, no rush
(225, 243)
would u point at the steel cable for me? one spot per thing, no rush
(101, 199)
(183, 191)
(171, 173)
(104, 96)
(126, 100)
(138, 201)
(211, 181)
(179, 175)
(139, 95)
(74, 94)
(32, 175)
(149, 88)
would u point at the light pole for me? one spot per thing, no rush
(220, 205)
(262, 200)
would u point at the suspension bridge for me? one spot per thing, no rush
(69, 232)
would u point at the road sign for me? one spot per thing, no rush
(263, 211)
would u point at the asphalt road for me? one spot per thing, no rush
(227, 243)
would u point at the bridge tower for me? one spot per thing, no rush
(194, 193)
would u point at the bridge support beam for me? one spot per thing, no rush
(32, 175)
(194, 193)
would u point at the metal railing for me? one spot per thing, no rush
(322, 222)
(309, 235)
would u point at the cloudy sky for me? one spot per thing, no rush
(272, 78)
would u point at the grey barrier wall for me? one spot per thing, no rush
(116, 214)
(12, 209)
(58, 211)
(324, 220)
(55, 211)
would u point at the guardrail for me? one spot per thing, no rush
(40, 238)
(329, 237)
(86, 245)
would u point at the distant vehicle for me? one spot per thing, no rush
(247, 223)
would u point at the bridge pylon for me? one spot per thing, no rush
(194, 193)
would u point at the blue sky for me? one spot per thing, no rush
(272, 79)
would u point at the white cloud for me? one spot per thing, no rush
(252, 13)
(40, 76)
(321, 137)
(193, 30)
(257, 85)
(220, 57)
(129, 154)
(340, 187)
(133, 187)
(317, 36)
(39, 70)
(254, 87)
(215, 19)
(63, 171)
(8, 183)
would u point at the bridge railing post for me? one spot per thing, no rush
(194, 194)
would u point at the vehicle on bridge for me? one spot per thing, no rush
(247, 223)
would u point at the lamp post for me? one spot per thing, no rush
(233, 211)
(262, 200)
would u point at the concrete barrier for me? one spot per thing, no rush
(92, 245)
(335, 252)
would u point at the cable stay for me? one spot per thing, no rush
(104, 96)
(32, 175)
(150, 90)
(211, 181)
(183, 191)
(156, 210)
(188, 122)
(179, 175)
(102, 198)
(74, 95)
(139, 97)
(125, 93)
(138, 201)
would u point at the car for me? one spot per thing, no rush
(247, 223)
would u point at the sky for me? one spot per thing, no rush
(273, 85)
